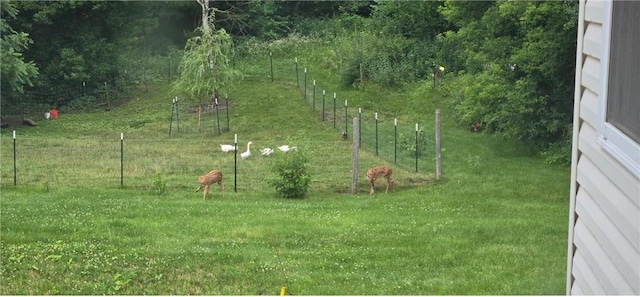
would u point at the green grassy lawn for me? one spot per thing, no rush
(494, 224)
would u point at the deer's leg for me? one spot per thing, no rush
(206, 191)
(221, 185)
(388, 183)
(372, 182)
(198, 188)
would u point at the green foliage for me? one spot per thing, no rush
(293, 174)
(205, 66)
(14, 70)
(259, 19)
(559, 152)
(408, 143)
(389, 61)
(159, 184)
(401, 18)
(518, 67)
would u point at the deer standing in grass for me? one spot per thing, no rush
(213, 177)
(379, 171)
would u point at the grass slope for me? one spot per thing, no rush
(495, 224)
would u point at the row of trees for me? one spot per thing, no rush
(511, 62)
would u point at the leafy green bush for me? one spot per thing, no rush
(408, 143)
(159, 184)
(293, 174)
(559, 152)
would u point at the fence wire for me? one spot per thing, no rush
(99, 162)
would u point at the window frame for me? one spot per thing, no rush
(611, 139)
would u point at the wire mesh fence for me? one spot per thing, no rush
(410, 145)
(209, 118)
(178, 161)
(138, 163)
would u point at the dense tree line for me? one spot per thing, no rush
(510, 63)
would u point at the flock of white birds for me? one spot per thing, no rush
(264, 151)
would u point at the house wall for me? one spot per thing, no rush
(604, 225)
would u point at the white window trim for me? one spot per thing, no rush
(613, 141)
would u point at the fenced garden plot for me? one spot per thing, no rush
(394, 138)
(176, 164)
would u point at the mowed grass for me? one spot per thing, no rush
(494, 224)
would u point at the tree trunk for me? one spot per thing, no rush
(205, 14)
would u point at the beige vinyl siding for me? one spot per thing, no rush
(589, 106)
(627, 183)
(619, 211)
(591, 74)
(592, 45)
(586, 281)
(594, 11)
(604, 226)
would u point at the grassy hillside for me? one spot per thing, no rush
(495, 223)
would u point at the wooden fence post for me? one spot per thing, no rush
(354, 158)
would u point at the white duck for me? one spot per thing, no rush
(227, 148)
(266, 151)
(246, 154)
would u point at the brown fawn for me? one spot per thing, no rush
(379, 171)
(213, 177)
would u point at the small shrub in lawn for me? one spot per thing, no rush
(293, 174)
(159, 184)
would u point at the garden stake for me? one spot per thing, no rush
(218, 116)
(323, 93)
(346, 118)
(334, 110)
(14, 158)
(305, 84)
(313, 106)
(297, 79)
(395, 140)
(235, 163)
(177, 119)
(122, 159)
(173, 106)
(359, 126)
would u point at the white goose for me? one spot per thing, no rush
(286, 148)
(227, 148)
(266, 151)
(246, 154)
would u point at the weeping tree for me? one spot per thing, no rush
(205, 66)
